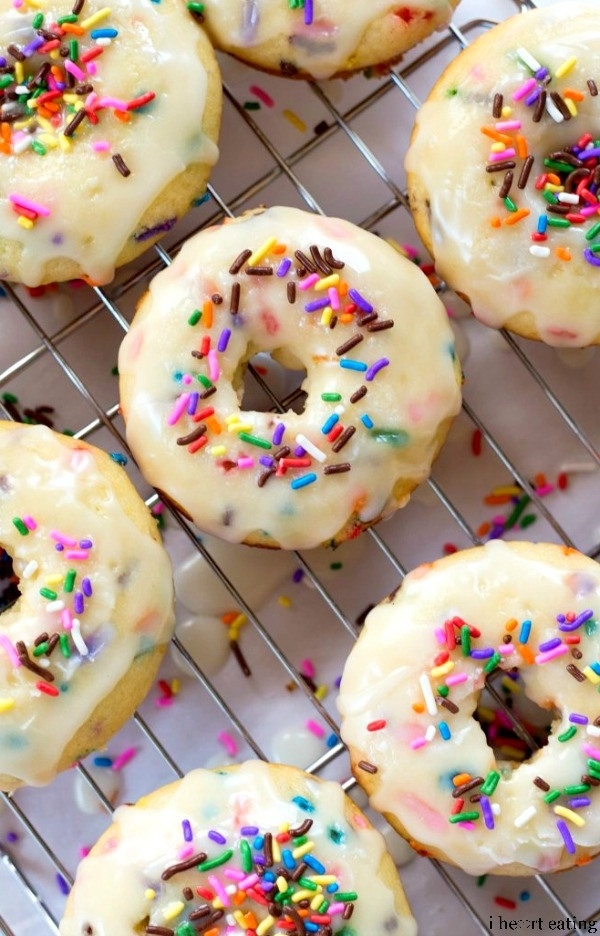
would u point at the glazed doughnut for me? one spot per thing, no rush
(502, 174)
(82, 643)
(218, 843)
(108, 123)
(382, 380)
(414, 678)
(324, 38)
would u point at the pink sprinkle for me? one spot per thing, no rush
(552, 654)
(30, 205)
(185, 851)
(524, 90)
(506, 649)
(417, 743)
(468, 826)
(179, 409)
(61, 538)
(123, 758)
(77, 554)
(440, 636)
(66, 619)
(234, 875)
(308, 668)
(115, 103)
(262, 95)
(591, 751)
(164, 701)
(544, 489)
(504, 154)
(455, 678)
(588, 211)
(213, 366)
(101, 146)
(29, 522)
(91, 68)
(246, 462)
(508, 125)
(334, 298)
(219, 890)
(335, 908)
(10, 650)
(228, 743)
(315, 728)
(249, 881)
(91, 101)
(309, 281)
(84, 851)
(187, 379)
(74, 70)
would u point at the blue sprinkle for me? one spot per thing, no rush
(524, 632)
(258, 842)
(288, 859)
(524, 895)
(105, 33)
(332, 740)
(311, 927)
(314, 863)
(306, 806)
(269, 876)
(102, 761)
(62, 884)
(367, 421)
(349, 364)
(542, 224)
(303, 480)
(329, 423)
(595, 666)
(444, 731)
(332, 888)
(119, 458)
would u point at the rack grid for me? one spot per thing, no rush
(530, 408)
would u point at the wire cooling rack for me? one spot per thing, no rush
(529, 419)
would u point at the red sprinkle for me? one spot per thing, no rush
(476, 442)
(47, 688)
(505, 902)
(377, 725)
(562, 480)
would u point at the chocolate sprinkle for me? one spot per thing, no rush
(188, 893)
(321, 264)
(310, 266)
(358, 394)
(259, 271)
(506, 184)
(497, 106)
(234, 302)
(183, 865)
(560, 104)
(525, 171)
(540, 106)
(192, 436)
(575, 672)
(335, 264)
(268, 849)
(30, 665)
(458, 791)
(153, 930)
(451, 706)
(500, 166)
(349, 344)
(200, 912)
(121, 165)
(241, 659)
(345, 437)
(382, 325)
(340, 468)
(239, 261)
(576, 653)
(367, 767)
(301, 829)
(74, 123)
(291, 292)
(541, 784)
(592, 86)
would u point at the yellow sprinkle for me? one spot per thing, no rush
(276, 851)
(258, 255)
(302, 849)
(19, 72)
(326, 315)
(283, 827)
(485, 714)
(506, 111)
(320, 692)
(95, 18)
(497, 147)
(233, 418)
(67, 98)
(25, 222)
(327, 282)
(551, 187)
(217, 450)
(323, 879)
(6, 705)
(284, 601)
(50, 142)
(571, 106)
(265, 925)
(442, 670)
(65, 143)
(566, 67)
(217, 904)
(238, 916)
(281, 884)
(239, 621)
(175, 686)
(302, 895)
(511, 489)
(55, 579)
(294, 120)
(589, 673)
(173, 909)
(149, 893)
(233, 633)
(316, 902)
(240, 427)
(510, 685)
(570, 814)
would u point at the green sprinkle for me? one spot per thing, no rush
(465, 640)
(550, 197)
(492, 663)
(197, 8)
(63, 642)
(335, 566)
(590, 627)
(394, 437)
(11, 398)
(557, 166)
(215, 862)
(322, 908)
(346, 896)
(38, 148)
(336, 397)
(464, 817)
(40, 649)
(6, 80)
(490, 783)
(481, 880)
(246, 856)
(443, 690)
(568, 734)
(37, 20)
(551, 796)
(251, 105)
(515, 515)
(254, 440)
(527, 521)
(509, 204)
(73, 50)
(593, 768)
(70, 580)
(185, 929)
(204, 381)
(67, 18)
(20, 526)
(308, 884)
(576, 788)
(284, 897)
(595, 229)
(594, 248)
(301, 840)
(195, 317)
(559, 222)
(48, 593)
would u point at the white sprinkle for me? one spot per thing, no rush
(78, 639)
(578, 466)
(524, 817)
(553, 110)
(309, 447)
(30, 569)
(430, 733)
(57, 605)
(340, 409)
(528, 59)
(569, 198)
(593, 730)
(538, 251)
(428, 695)
(496, 809)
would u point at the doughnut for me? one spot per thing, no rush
(320, 295)
(108, 124)
(242, 849)
(321, 39)
(82, 642)
(414, 678)
(503, 170)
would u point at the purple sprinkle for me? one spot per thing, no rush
(549, 644)
(298, 576)
(62, 884)
(86, 587)
(483, 654)
(249, 830)
(266, 460)
(376, 367)
(581, 618)
(542, 74)
(266, 885)
(59, 547)
(591, 258)
(532, 98)
(496, 531)
(299, 452)
(3, 62)
(147, 233)
(217, 837)
(308, 12)
(278, 433)
(356, 297)
(486, 811)
(284, 266)
(12, 837)
(562, 827)
(224, 339)
(316, 304)
(590, 153)
(193, 403)
(85, 544)
(561, 618)
(260, 860)
(78, 605)
(188, 835)
(578, 719)
(578, 802)
(33, 45)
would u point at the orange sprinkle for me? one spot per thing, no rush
(213, 931)
(521, 146)
(57, 72)
(526, 653)
(239, 898)
(346, 317)
(573, 95)
(229, 617)
(495, 222)
(418, 707)
(123, 116)
(563, 253)
(553, 178)
(72, 28)
(343, 288)
(461, 778)
(278, 249)
(214, 425)
(250, 920)
(494, 499)
(484, 528)
(496, 135)
(517, 216)
(207, 313)
(540, 479)
(511, 624)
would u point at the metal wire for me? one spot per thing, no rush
(111, 302)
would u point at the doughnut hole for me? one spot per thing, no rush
(266, 381)
(515, 726)
(9, 582)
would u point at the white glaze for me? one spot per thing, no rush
(411, 397)
(448, 155)
(93, 209)
(486, 587)
(66, 490)
(320, 49)
(144, 841)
